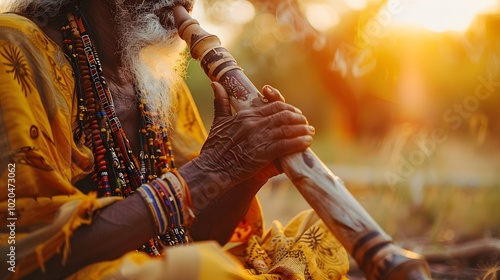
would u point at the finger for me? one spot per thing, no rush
(274, 108)
(286, 118)
(222, 106)
(289, 146)
(291, 131)
(272, 94)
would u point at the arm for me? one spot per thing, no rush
(216, 219)
(108, 237)
(238, 158)
(123, 227)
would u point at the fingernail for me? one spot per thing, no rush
(268, 89)
(312, 129)
(298, 111)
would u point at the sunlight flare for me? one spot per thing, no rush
(443, 15)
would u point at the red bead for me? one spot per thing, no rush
(99, 158)
(100, 151)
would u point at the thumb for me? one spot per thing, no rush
(222, 106)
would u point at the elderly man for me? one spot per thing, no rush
(87, 95)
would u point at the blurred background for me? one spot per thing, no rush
(404, 95)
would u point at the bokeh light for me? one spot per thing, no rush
(443, 15)
(321, 16)
(356, 4)
(241, 12)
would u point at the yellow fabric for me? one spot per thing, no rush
(201, 261)
(37, 111)
(188, 134)
(37, 117)
(304, 249)
(252, 224)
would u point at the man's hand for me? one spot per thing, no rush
(238, 157)
(244, 145)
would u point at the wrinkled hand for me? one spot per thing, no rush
(246, 144)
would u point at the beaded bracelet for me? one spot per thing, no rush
(157, 210)
(176, 233)
(181, 187)
(171, 236)
(168, 200)
(177, 188)
(165, 198)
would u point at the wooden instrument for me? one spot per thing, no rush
(368, 244)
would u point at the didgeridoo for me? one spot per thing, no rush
(372, 249)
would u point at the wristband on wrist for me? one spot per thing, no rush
(169, 202)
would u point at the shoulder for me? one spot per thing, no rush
(27, 52)
(24, 34)
(15, 22)
(20, 31)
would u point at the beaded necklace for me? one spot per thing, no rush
(117, 172)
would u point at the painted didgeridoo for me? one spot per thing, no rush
(372, 249)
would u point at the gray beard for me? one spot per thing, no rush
(153, 55)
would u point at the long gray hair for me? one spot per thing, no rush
(36, 8)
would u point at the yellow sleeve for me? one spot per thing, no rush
(198, 261)
(35, 118)
(39, 159)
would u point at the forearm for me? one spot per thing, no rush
(219, 219)
(117, 229)
(219, 206)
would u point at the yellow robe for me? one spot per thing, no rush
(41, 208)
